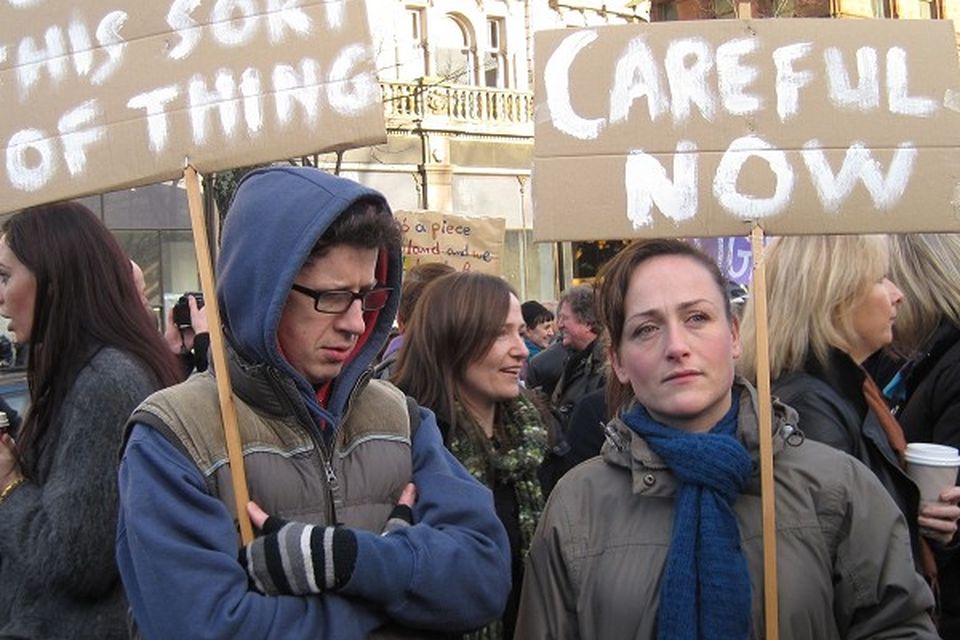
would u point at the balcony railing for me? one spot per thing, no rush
(458, 108)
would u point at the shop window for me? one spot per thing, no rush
(588, 257)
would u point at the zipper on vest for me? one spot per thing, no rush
(302, 414)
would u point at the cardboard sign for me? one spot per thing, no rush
(698, 128)
(467, 244)
(105, 94)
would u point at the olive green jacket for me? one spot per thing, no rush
(845, 568)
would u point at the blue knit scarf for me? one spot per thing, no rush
(705, 590)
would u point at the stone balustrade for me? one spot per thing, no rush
(458, 108)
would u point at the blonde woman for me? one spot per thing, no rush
(926, 392)
(831, 306)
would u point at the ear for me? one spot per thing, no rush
(617, 366)
(737, 347)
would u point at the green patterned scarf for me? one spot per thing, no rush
(512, 456)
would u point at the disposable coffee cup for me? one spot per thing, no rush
(933, 467)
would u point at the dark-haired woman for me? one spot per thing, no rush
(462, 358)
(94, 354)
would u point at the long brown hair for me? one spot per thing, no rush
(85, 299)
(454, 323)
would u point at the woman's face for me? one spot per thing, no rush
(873, 319)
(495, 376)
(18, 293)
(542, 334)
(678, 347)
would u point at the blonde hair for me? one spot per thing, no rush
(927, 268)
(813, 285)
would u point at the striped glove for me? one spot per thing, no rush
(293, 558)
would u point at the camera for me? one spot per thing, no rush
(181, 310)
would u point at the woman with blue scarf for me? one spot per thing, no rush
(661, 535)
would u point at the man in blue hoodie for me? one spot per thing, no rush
(308, 283)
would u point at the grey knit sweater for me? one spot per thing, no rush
(58, 576)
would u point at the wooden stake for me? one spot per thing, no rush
(228, 412)
(767, 487)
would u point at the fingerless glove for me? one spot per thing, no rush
(293, 558)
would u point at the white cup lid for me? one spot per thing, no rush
(936, 455)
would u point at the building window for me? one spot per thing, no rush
(495, 55)
(929, 9)
(664, 11)
(455, 51)
(415, 63)
(882, 8)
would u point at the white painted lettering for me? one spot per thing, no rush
(286, 14)
(252, 106)
(230, 31)
(866, 96)
(80, 45)
(202, 101)
(750, 207)
(154, 103)
(897, 93)
(789, 81)
(23, 174)
(859, 165)
(637, 75)
(179, 19)
(648, 185)
(335, 14)
(31, 58)
(289, 87)
(733, 78)
(77, 134)
(556, 80)
(108, 35)
(348, 96)
(688, 82)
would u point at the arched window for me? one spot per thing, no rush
(454, 51)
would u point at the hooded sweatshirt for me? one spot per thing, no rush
(177, 544)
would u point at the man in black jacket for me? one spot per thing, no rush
(584, 371)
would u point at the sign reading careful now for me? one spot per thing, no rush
(696, 129)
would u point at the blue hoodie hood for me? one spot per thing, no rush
(276, 217)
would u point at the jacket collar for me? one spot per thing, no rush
(273, 391)
(651, 476)
(843, 374)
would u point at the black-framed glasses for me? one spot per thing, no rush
(339, 300)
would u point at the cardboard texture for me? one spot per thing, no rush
(467, 244)
(109, 94)
(697, 128)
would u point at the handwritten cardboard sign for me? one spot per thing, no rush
(104, 94)
(697, 128)
(467, 244)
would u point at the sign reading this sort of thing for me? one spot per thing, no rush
(697, 128)
(108, 93)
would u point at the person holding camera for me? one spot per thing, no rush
(186, 332)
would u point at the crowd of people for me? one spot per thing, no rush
(489, 469)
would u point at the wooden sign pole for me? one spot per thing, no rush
(767, 486)
(228, 412)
